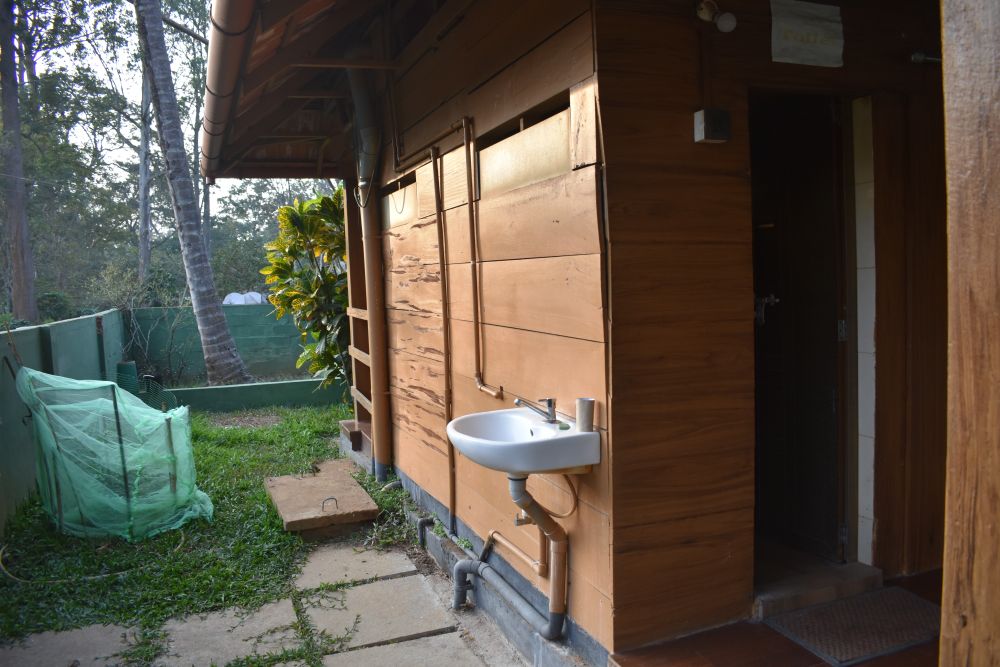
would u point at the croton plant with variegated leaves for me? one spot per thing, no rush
(307, 278)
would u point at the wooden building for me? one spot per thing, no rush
(762, 313)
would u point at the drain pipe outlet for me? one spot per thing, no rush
(423, 524)
(551, 627)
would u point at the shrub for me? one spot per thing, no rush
(8, 321)
(307, 278)
(54, 306)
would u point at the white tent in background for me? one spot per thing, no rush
(237, 299)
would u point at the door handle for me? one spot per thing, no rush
(760, 307)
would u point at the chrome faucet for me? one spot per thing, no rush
(548, 412)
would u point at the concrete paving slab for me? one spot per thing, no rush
(331, 497)
(386, 610)
(89, 647)
(220, 637)
(478, 629)
(344, 562)
(448, 650)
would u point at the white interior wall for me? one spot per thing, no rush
(864, 216)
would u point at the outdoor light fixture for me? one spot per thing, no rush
(709, 11)
(712, 126)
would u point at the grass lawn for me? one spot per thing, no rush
(242, 558)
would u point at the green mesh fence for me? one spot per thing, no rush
(108, 464)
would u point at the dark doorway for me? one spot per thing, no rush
(797, 165)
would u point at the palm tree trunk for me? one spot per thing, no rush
(22, 261)
(222, 361)
(145, 210)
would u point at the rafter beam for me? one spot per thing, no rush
(303, 136)
(307, 45)
(248, 164)
(319, 94)
(254, 135)
(247, 140)
(274, 99)
(285, 170)
(277, 11)
(343, 63)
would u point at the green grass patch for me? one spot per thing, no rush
(391, 526)
(243, 558)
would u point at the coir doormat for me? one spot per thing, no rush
(848, 631)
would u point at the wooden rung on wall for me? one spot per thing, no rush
(359, 356)
(361, 399)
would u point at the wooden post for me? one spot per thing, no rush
(121, 453)
(371, 230)
(970, 628)
(173, 457)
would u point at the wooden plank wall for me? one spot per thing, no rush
(970, 605)
(681, 302)
(542, 295)
(681, 340)
(910, 332)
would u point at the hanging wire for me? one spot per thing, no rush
(392, 196)
(371, 178)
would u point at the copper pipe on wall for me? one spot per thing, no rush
(548, 626)
(445, 328)
(540, 565)
(467, 138)
(558, 542)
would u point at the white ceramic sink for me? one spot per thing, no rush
(519, 442)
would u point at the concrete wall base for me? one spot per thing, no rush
(360, 459)
(576, 648)
(224, 398)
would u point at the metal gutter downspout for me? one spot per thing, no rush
(368, 143)
(551, 627)
(230, 39)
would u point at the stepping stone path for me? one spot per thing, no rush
(93, 645)
(221, 637)
(378, 608)
(441, 651)
(383, 611)
(334, 563)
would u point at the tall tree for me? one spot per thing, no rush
(145, 209)
(222, 361)
(22, 260)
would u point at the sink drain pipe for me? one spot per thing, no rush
(551, 627)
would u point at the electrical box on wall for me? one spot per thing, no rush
(712, 126)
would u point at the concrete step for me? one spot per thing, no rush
(787, 580)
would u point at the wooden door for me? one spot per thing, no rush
(797, 186)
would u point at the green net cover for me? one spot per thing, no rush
(108, 464)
